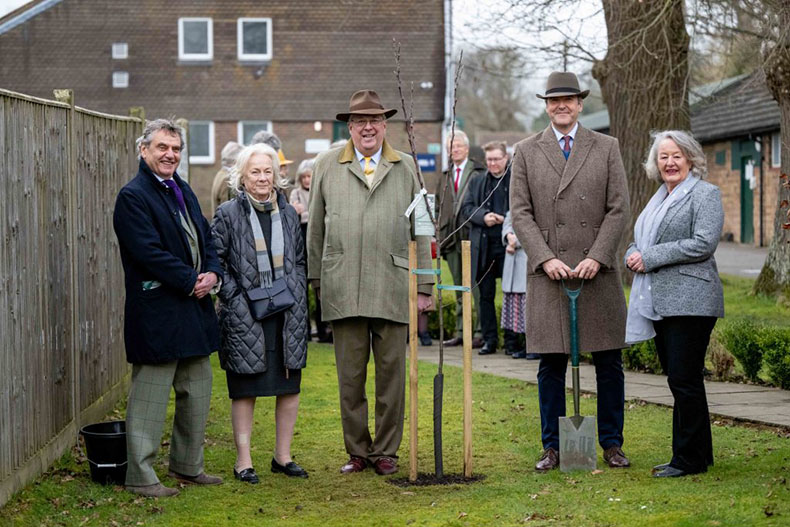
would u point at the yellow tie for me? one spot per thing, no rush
(369, 170)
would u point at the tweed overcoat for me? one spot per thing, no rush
(242, 342)
(685, 278)
(358, 236)
(571, 210)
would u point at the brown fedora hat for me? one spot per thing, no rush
(562, 84)
(365, 102)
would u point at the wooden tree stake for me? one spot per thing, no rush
(466, 271)
(412, 362)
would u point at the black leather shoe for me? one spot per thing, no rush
(670, 472)
(487, 349)
(455, 341)
(425, 339)
(533, 356)
(519, 355)
(247, 475)
(289, 469)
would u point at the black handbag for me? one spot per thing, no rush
(267, 301)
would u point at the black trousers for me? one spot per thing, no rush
(489, 269)
(320, 325)
(610, 381)
(681, 343)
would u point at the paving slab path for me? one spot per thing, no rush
(744, 402)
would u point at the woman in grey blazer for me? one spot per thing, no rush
(677, 296)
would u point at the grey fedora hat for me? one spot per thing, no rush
(562, 84)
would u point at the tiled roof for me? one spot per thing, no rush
(742, 108)
(323, 51)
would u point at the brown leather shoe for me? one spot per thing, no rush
(615, 457)
(385, 466)
(157, 490)
(200, 479)
(549, 460)
(477, 343)
(455, 341)
(354, 464)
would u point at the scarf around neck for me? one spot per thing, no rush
(267, 275)
(639, 324)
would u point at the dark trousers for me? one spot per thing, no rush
(488, 271)
(681, 343)
(610, 381)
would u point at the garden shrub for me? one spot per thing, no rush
(742, 339)
(721, 359)
(775, 343)
(642, 356)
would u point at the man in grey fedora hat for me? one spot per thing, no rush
(357, 252)
(569, 204)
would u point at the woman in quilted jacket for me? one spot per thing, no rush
(259, 243)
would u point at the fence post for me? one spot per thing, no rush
(67, 96)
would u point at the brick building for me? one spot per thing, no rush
(737, 122)
(234, 67)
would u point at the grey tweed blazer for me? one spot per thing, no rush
(685, 278)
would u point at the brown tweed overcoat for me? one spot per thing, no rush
(571, 210)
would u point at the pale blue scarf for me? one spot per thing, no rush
(639, 324)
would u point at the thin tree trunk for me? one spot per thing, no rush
(643, 81)
(774, 278)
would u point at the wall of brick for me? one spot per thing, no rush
(729, 182)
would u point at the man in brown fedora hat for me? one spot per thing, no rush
(358, 262)
(569, 204)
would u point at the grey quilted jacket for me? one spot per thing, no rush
(242, 348)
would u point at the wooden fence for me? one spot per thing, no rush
(62, 361)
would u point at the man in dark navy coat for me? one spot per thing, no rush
(170, 326)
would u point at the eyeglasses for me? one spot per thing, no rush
(363, 121)
(494, 159)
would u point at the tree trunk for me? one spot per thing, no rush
(774, 278)
(643, 81)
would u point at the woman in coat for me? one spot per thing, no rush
(676, 295)
(514, 289)
(259, 239)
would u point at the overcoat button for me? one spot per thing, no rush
(582, 196)
(585, 251)
(584, 224)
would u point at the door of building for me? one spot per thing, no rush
(747, 199)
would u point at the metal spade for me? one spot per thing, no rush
(577, 433)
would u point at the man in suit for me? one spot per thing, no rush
(358, 262)
(486, 204)
(453, 186)
(569, 203)
(170, 327)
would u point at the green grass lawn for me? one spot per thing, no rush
(747, 486)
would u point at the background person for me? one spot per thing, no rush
(450, 195)
(676, 295)
(220, 190)
(514, 293)
(261, 358)
(300, 200)
(485, 205)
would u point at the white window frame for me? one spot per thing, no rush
(120, 79)
(240, 129)
(776, 149)
(257, 57)
(210, 37)
(209, 159)
(120, 50)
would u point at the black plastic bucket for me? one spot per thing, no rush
(106, 448)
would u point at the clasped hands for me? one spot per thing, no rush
(635, 262)
(556, 269)
(492, 218)
(205, 282)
